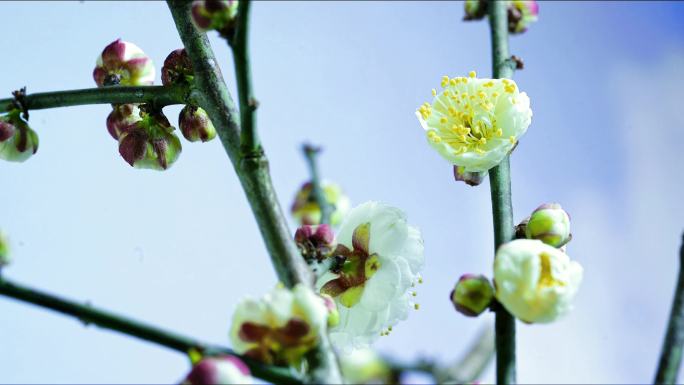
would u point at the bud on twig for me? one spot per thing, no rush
(475, 9)
(123, 63)
(150, 143)
(550, 224)
(4, 251)
(219, 370)
(315, 243)
(122, 119)
(521, 14)
(195, 124)
(177, 68)
(216, 15)
(472, 295)
(17, 140)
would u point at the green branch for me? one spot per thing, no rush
(252, 169)
(249, 139)
(310, 153)
(108, 320)
(502, 208)
(158, 95)
(671, 355)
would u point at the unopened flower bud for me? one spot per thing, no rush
(333, 313)
(306, 210)
(123, 63)
(550, 224)
(521, 14)
(177, 68)
(122, 119)
(17, 140)
(315, 242)
(195, 124)
(365, 366)
(216, 15)
(472, 295)
(150, 143)
(471, 178)
(4, 251)
(475, 9)
(219, 370)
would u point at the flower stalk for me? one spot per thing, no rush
(502, 208)
(673, 345)
(89, 314)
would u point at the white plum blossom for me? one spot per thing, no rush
(377, 261)
(474, 123)
(534, 281)
(280, 327)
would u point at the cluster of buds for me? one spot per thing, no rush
(217, 371)
(521, 13)
(306, 210)
(123, 63)
(472, 295)
(281, 327)
(145, 136)
(4, 251)
(218, 15)
(17, 140)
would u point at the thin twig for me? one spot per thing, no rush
(158, 95)
(502, 208)
(310, 153)
(89, 314)
(671, 355)
(252, 169)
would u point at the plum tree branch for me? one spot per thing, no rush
(252, 169)
(158, 95)
(89, 314)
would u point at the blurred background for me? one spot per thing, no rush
(180, 248)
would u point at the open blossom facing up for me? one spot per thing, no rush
(534, 281)
(305, 210)
(123, 63)
(18, 141)
(376, 262)
(280, 327)
(474, 123)
(218, 371)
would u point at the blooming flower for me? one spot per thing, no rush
(219, 370)
(550, 224)
(280, 327)
(472, 295)
(474, 123)
(123, 63)
(18, 141)
(214, 14)
(534, 281)
(521, 13)
(376, 262)
(305, 210)
(150, 143)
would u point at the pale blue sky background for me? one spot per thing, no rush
(179, 248)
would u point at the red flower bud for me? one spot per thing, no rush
(195, 124)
